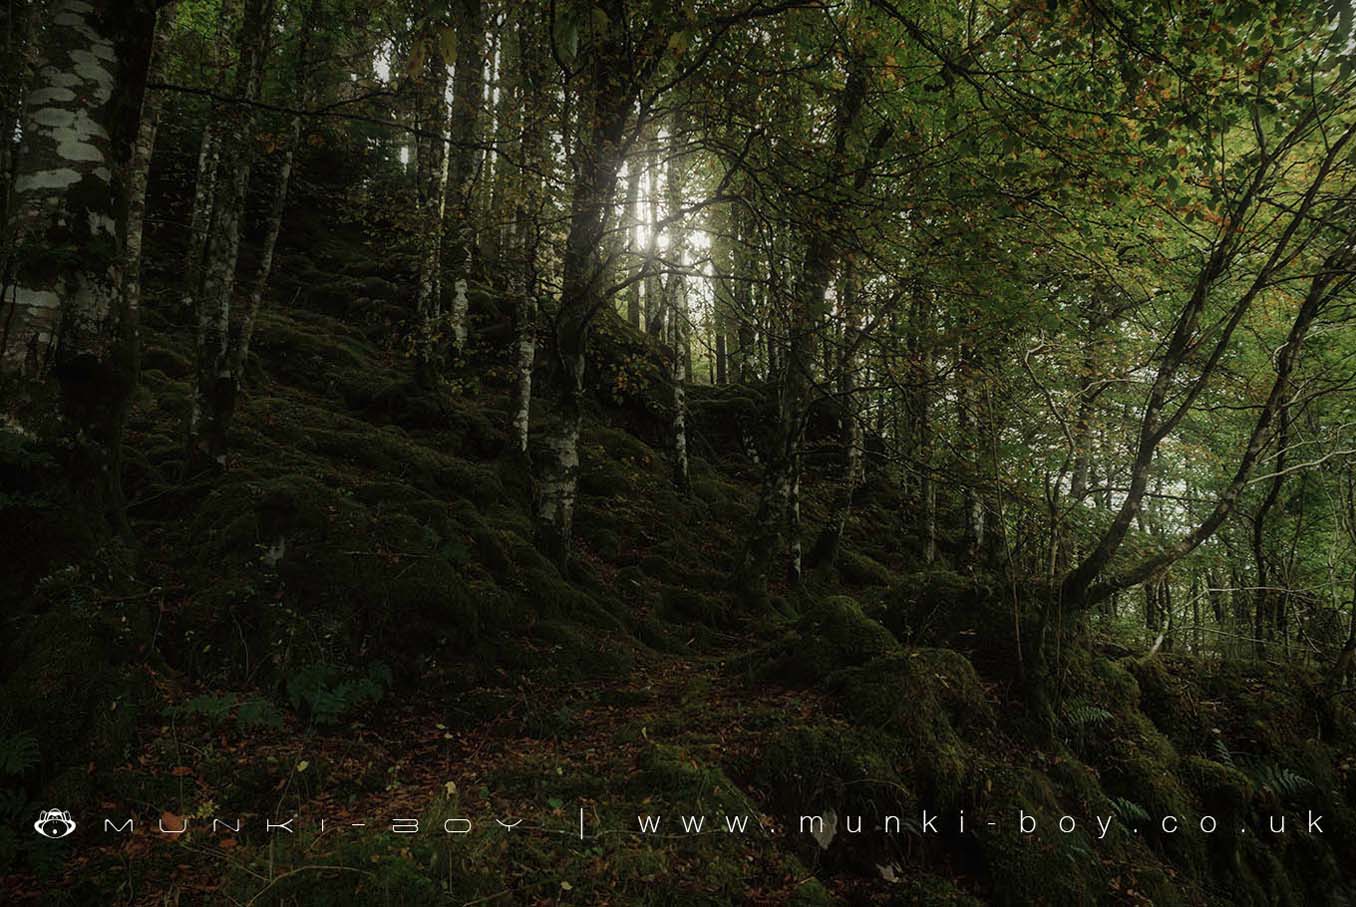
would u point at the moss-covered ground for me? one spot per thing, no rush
(351, 621)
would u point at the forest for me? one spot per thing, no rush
(677, 452)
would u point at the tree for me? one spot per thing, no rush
(68, 318)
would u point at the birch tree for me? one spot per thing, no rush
(65, 316)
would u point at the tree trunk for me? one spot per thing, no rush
(467, 97)
(607, 96)
(630, 220)
(431, 176)
(68, 317)
(679, 295)
(656, 306)
(825, 550)
(528, 188)
(215, 387)
(276, 212)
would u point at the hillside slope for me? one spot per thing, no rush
(351, 622)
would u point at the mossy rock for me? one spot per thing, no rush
(683, 779)
(1170, 703)
(840, 621)
(605, 479)
(811, 767)
(622, 446)
(167, 361)
(546, 593)
(1043, 867)
(932, 605)
(933, 702)
(576, 653)
(858, 569)
(688, 605)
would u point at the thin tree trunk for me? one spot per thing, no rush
(630, 220)
(215, 390)
(204, 192)
(431, 176)
(277, 210)
(825, 550)
(680, 469)
(467, 97)
(528, 186)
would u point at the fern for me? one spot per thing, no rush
(1286, 782)
(257, 713)
(1131, 813)
(1082, 714)
(18, 753)
(328, 696)
(213, 708)
(1222, 754)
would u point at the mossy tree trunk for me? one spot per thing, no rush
(67, 316)
(850, 435)
(605, 100)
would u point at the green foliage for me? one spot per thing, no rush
(18, 753)
(327, 694)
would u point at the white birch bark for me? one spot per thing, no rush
(68, 249)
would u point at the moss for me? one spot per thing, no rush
(494, 552)
(70, 688)
(931, 605)
(683, 779)
(605, 479)
(544, 591)
(1117, 688)
(933, 702)
(574, 653)
(860, 570)
(622, 446)
(1169, 703)
(811, 893)
(833, 633)
(932, 891)
(167, 361)
(1045, 867)
(681, 604)
(661, 568)
(852, 770)
(1224, 793)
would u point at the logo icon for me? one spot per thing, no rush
(54, 823)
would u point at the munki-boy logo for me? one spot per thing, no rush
(54, 823)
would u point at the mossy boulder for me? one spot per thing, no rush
(932, 700)
(858, 569)
(931, 606)
(1046, 866)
